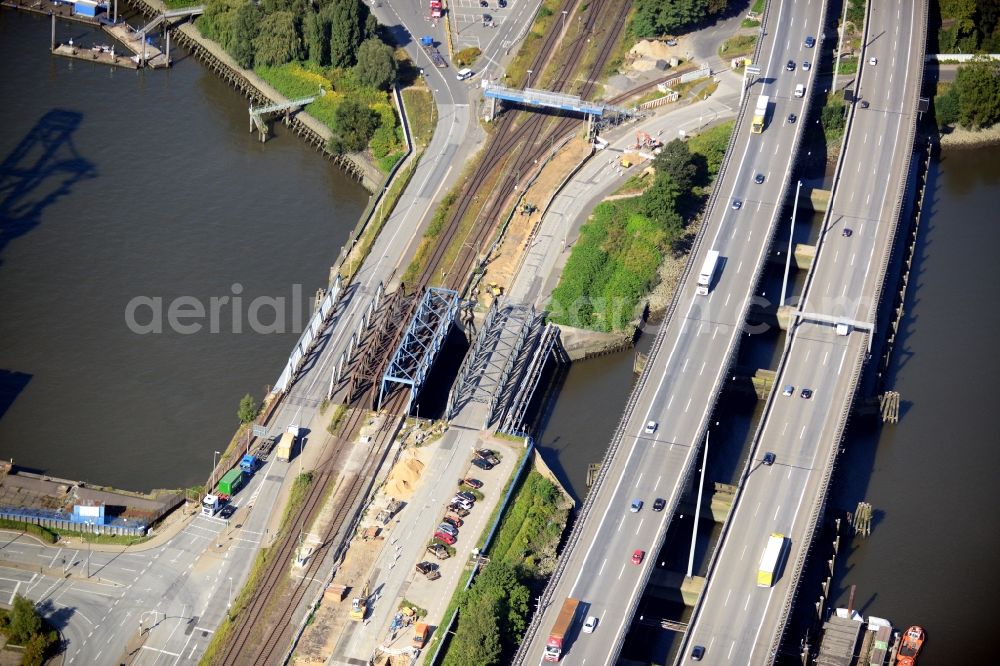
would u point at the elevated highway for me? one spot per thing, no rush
(736, 621)
(686, 368)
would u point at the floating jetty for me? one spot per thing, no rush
(146, 55)
(98, 54)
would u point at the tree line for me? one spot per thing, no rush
(656, 18)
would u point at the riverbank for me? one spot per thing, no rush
(959, 137)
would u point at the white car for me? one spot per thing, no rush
(590, 624)
(464, 74)
(873, 61)
(651, 427)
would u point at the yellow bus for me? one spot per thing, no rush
(770, 561)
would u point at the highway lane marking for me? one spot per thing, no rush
(728, 295)
(702, 367)
(172, 654)
(739, 267)
(619, 526)
(670, 402)
(855, 253)
(601, 572)
(621, 572)
(685, 366)
(743, 554)
(757, 509)
(785, 428)
(776, 510)
(808, 351)
(640, 526)
(802, 433)
(657, 482)
(841, 366)
(685, 410)
(826, 356)
(747, 604)
(728, 594)
(715, 332)
(836, 255)
(868, 199)
(730, 655)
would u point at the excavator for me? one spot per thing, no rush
(359, 605)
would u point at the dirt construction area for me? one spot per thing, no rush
(393, 538)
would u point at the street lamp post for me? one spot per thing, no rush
(229, 605)
(564, 13)
(697, 508)
(528, 84)
(214, 463)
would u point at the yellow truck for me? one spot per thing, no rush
(286, 445)
(421, 632)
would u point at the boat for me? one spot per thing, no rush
(910, 646)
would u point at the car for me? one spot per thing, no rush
(227, 511)
(651, 427)
(806, 393)
(487, 20)
(790, 66)
(697, 653)
(659, 504)
(873, 61)
(800, 90)
(806, 65)
(864, 104)
(453, 520)
(462, 502)
(788, 390)
(737, 204)
(768, 458)
(448, 529)
(489, 456)
(759, 178)
(458, 510)
(791, 118)
(847, 232)
(447, 538)
(502, 4)
(472, 483)
(636, 506)
(590, 624)
(484, 465)
(671, 42)
(466, 496)
(463, 74)
(638, 555)
(810, 41)
(483, 3)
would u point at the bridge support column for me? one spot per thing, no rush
(786, 314)
(168, 46)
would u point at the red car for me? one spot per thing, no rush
(637, 556)
(447, 538)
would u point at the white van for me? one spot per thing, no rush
(800, 90)
(464, 74)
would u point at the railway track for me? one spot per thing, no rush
(269, 617)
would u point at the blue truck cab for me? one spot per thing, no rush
(248, 464)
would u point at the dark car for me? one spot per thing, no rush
(864, 104)
(807, 393)
(791, 118)
(472, 483)
(467, 496)
(458, 510)
(483, 3)
(810, 42)
(453, 520)
(501, 3)
(737, 204)
(659, 504)
(482, 464)
(227, 511)
(759, 178)
(768, 458)
(697, 653)
(847, 233)
(790, 66)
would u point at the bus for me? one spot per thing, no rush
(707, 273)
(770, 561)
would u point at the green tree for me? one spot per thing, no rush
(659, 202)
(946, 108)
(35, 649)
(347, 24)
(376, 64)
(240, 41)
(277, 41)
(316, 32)
(477, 641)
(249, 409)
(355, 124)
(977, 86)
(25, 621)
(675, 161)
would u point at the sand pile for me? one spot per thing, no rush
(651, 49)
(403, 478)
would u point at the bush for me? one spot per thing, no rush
(467, 57)
(355, 125)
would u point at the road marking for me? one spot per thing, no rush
(826, 356)
(802, 432)
(728, 594)
(785, 428)
(685, 366)
(670, 402)
(757, 509)
(747, 604)
(852, 257)
(836, 255)
(841, 366)
(657, 482)
(743, 554)
(702, 367)
(602, 566)
(172, 654)
(739, 267)
(639, 480)
(640, 526)
(54, 557)
(776, 510)
(808, 351)
(731, 646)
(620, 573)
(686, 408)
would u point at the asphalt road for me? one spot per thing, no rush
(688, 365)
(737, 620)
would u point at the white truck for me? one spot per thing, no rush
(707, 273)
(760, 115)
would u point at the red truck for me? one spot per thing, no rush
(557, 637)
(435, 8)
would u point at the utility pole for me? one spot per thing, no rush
(697, 507)
(214, 463)
(791, 233)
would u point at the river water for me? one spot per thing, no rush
(116, 185)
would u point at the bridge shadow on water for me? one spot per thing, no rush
(43, 167)
(11, 385)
